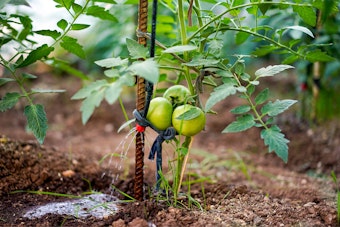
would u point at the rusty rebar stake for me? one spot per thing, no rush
(140, 104)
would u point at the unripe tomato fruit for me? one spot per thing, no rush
(159, 113)
(188, 127)
(177, 94)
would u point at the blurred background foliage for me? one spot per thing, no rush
(317, 85)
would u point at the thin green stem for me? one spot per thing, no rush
(183, 33)
(198, 31)
(123, 110)
(252, 105)
(69, 27)
(264, 38)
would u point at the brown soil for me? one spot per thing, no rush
(234, 179)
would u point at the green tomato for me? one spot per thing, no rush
(190, 123)
(159, 113)
(177, 94)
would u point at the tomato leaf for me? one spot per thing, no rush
(262, 96)
(8, 101)
(100, 12)
(62, 24)
(301, 29)
(136, 50)
(36, 55)
(113, 91)
(147, 69)
(307, 14)
(87, 90)
(240, 109)
(79, 26)
(36, 121)
(221, 92)
(47, 91)
(274, 108)
(111, 62)
(271, 70)
(70, 44)
(318, 55)
(242, 123)
(90, 103)
(192, 113)
(180, 48)
(51, 33)
(276, 141)
(5, 81)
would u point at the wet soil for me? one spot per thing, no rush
(232, 178)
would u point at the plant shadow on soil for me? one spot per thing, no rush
(243, 186)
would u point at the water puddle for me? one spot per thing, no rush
(96, 205)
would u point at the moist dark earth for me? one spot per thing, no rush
(232, 177)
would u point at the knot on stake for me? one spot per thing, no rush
(156, 149)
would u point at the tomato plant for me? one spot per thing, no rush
(193, 49)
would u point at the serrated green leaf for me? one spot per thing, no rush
(87, 90)
(112, 73)
(136, 50)
(70, 44)
(111, 62)
(47, 91)
(239, 68)
(254, 82)
(64, 3)
(79, 26)
(8, 101)
(192, 113)
(318, 55)
(242, 123)
(51, 33)
(241, 89)
(62, 24)
(201, 62)
(276, 141)
(36, 121)
(262, 96)
(240, 109)
(90, 103)
(147, 69)
(113, 91)
(179, 49)
(5, 80)
(36, 55)
(271, 70)
(221, 92)
(264, 50)
(290, 59)
(66, 68)
(274, 108)
(307, 14)
(100, 12)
